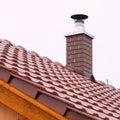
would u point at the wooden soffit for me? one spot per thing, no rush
(25, 105)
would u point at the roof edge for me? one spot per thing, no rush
(52, 114)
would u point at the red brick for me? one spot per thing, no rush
(79, 52)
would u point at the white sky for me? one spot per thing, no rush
(40, 25)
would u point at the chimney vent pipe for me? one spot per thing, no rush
(79, 22)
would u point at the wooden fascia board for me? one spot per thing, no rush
(25, 105)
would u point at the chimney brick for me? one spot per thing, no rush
(79, 52)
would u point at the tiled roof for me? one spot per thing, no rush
(81, 95)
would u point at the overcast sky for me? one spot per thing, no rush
(40, 25)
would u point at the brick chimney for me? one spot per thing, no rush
(79, 47)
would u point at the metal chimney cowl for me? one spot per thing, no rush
(79, 23)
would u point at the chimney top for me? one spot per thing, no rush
(79, 27)
(79, 17)
(79, 23)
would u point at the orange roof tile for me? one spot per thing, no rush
(77, 91)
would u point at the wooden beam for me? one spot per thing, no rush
(25, 105)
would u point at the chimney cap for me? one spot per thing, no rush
(79, 16)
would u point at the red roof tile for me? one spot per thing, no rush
(94, 99)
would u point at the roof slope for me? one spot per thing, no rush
(80, 94)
